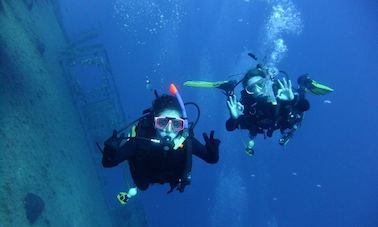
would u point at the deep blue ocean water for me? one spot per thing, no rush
(328, 173)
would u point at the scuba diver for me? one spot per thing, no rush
(267, 103)
(159, 146)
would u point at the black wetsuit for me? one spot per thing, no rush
(261, 117)
(151, 163)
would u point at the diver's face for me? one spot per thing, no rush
(168, 124)
(255, 86)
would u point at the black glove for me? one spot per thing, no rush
(212, 144)
(113, 142)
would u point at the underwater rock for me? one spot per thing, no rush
(29, 4)
(40, 46)
(129, 216)
(34, 205)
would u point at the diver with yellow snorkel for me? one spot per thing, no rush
(159, 146)
(267, 102)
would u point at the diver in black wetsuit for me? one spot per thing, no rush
(267, 105)
(160, 147)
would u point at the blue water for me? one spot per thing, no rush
(326, 176)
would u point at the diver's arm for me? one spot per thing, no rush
(209, 152)
(231, 124)
(241, 122)
(115, 154)
(299, 104)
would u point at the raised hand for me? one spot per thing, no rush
(285, 92)
(235, 107)
(211, 143)
(114, 141)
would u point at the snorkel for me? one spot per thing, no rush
(187, 173)
(176, 93)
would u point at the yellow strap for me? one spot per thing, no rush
(132, 131)
(179, 142)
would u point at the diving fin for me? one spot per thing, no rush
(312, 86)
(249, 151)
(284, 139)
(225, 85)
(122, 198)
(205, 84)
(319, 89)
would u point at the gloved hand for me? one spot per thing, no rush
(212, 144)
(235, 107)
(285, 93)
(113, 142)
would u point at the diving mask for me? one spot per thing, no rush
(177, 124)
(262, 87)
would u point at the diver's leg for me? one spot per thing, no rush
(305, 83)
(228, 87)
